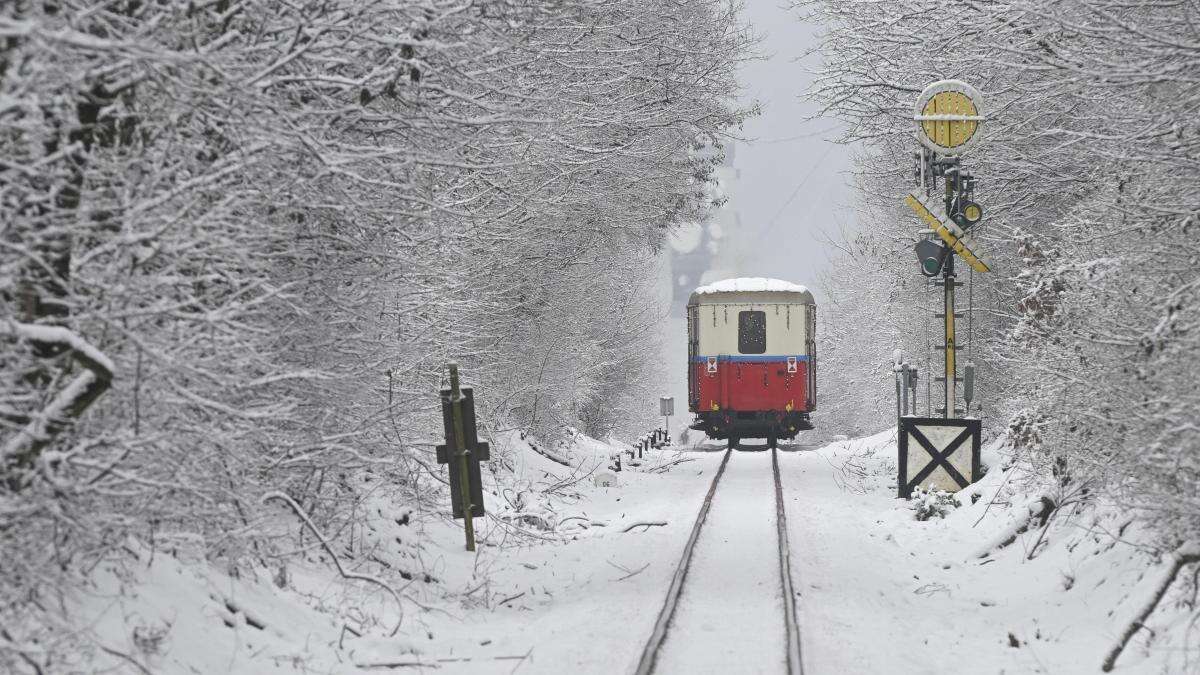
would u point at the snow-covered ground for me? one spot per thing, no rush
(586, 602)
(573, 571)
(884, 593)
(568, 578)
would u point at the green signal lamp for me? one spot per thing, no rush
(932, 256)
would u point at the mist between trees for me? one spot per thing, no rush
(278, 221)
(1086, 332)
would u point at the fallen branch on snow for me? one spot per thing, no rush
(1186, 554)
(664, 467)
(510, 598)
(647, 525)
(126, 657)
(233, 610)
(347, 628)
(396, 664)
(436, 662)
(630, 573)
(1040, 508)
(550, 455)
(337, 561)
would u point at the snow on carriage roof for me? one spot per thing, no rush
(751, 284)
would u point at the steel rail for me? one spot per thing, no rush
(646, 663)
(795, 664)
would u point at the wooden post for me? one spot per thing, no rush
(463, 453)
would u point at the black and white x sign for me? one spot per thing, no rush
(937, 453)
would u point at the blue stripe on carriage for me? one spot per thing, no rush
(750, 358)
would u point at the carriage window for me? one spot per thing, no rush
(752, 332)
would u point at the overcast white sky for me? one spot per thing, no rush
(791, 159)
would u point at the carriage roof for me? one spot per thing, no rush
(751, 290)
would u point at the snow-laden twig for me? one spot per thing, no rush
(346, 574)
(628, 572)
(1185, 555)
(72, 400)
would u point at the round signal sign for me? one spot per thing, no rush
(948, 116)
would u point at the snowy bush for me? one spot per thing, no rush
(932, 503)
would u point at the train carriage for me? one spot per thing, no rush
(752, 359)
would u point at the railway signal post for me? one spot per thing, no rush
(943, 453)
(948, 116)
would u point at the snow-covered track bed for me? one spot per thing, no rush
(730, 606)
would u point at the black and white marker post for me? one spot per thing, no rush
(949, 117)
(666, 408)
(462, 453)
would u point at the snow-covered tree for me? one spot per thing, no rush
(1084, 331)
(239, 241)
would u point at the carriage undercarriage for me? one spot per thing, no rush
(770, 425)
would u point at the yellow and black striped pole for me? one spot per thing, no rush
(948, 301)
(951, 366)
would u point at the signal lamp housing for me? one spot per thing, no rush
(932, 256)
(970, 214)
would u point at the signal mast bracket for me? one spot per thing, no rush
(933, 215)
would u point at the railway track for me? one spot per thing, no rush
(651, 657)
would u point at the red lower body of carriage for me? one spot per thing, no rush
(738, 397)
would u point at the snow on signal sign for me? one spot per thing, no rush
(958, 241)
(948, 116)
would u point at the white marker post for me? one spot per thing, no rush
(666, 408)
